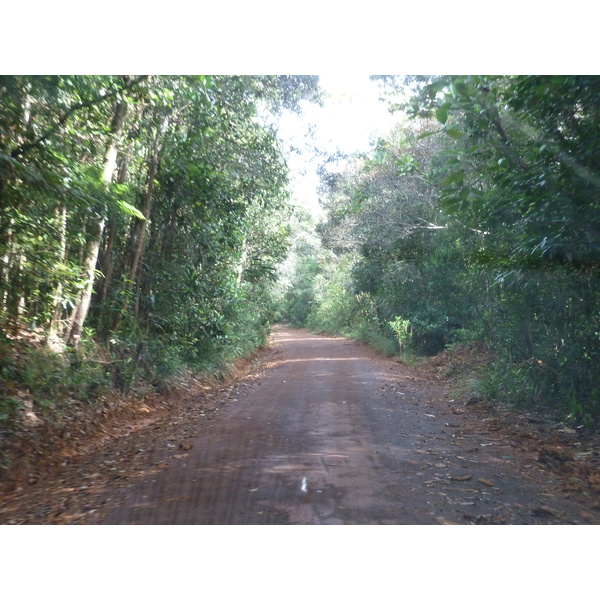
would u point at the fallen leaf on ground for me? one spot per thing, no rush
(443, 521)
(485, 482)
(544, 511)
(461, 477)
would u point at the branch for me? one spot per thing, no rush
(23, 148)
(495, 119)
(428, 225)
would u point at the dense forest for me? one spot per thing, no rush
(147, 232)
(474, 224)
(141, 222)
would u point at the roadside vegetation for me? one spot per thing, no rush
(141, 222)
(147, 235)
(475, 225)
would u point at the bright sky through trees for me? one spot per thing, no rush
(352, 114)
(351, 118)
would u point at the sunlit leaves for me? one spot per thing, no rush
(129, 209)
(217, 193)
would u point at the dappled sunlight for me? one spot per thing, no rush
(312, 339)
(321, 359)
(282, 463)
(304, 461)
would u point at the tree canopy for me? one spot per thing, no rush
(142, 214)
(144, 221)
(477, 223)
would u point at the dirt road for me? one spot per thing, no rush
(331, 433)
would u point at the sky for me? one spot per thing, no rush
(352, 113)
(350, 120)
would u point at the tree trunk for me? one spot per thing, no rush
(83, 303)
(140, 227)
(6, 243)
(107, 267)
(11, 263)
(110, 164)
(15, 304)
(56, 322)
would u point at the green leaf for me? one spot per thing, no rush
(441, 114)
(453, 203)
(453, 132)
(129, 209)
(454, 178)
(437, 86)
(429, 133)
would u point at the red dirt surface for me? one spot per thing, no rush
(321, 430)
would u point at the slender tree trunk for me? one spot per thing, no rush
(243, 258)
(56, 322)
(110, 164)
(83, 303)
(107, 262)
(16, 299)
(12, 302)
(6, 241)
(140, 227)
(107, 267)
(107, 259)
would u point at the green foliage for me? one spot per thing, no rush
(479, 222)
(8, 373)
(151, 209)
(8, 409)
(53, 378)
(401, 327)
(524, 176)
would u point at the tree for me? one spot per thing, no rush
(51, 171)
(385, 210)
(144, 211)
(525, 176)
